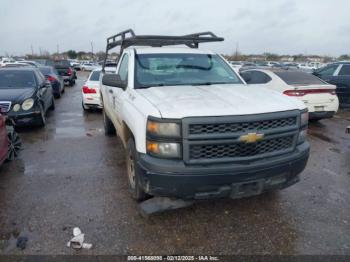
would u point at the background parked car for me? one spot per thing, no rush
(338, 74)
(32, 63)
(66, 71)
(90, 66)
(91, 91)
(318, 96)
(55, 79)
(17, 64)
(25, 95)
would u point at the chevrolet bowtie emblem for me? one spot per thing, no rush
(251, 138)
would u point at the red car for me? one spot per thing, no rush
(10, 143)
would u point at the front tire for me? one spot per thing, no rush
(108, 125)
(53, 106)
(14, 144)
(42, 117)
(134, 172)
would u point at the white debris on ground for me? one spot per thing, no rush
(77, 242)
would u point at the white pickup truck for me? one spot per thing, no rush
(192, 128)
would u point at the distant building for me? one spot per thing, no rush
(287, 59)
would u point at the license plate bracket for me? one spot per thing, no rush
(246, 189)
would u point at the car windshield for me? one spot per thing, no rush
(299, 78)
(17, 79)
(45, 70)
(182, 69)
(95, 76)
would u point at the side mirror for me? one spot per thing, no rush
(46, 84)
(113, 80)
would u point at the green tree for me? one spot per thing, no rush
(344, 57)
(72, 54)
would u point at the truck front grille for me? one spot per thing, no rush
(235, 150)
(217, 139)
(222, 128)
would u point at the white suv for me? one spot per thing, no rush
(191, 126)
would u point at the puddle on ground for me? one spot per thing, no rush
(74, 132)
(69, 132)
(321, 136)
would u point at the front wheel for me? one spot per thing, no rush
(134, 173)
(42, 117)
(52, 107)
(14, 144)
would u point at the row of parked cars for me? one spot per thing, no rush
(27, 92)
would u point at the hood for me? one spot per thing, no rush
(217, 100)
(16, 94)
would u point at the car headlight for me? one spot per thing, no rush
(304, 118)
(302, 136)
(16, 107)
(164, 149)
(163, 129)
(28, 104)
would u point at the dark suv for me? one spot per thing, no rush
(338, 74)
(66, 71)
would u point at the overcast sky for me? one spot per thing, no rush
(278, 26)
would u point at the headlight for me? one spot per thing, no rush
(16, 107)
(28, 104)
(302, 136)
(163, 149)
(163, 129)
(304, 119)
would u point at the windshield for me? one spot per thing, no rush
(182, 69)
(17, 79)
(95, 76)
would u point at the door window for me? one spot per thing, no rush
(328, 71)
(255, 77)
(123, 69)
(345, 70)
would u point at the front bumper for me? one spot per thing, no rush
(173, 178)
(321, 115)
(25, 118)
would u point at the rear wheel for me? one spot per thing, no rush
(108, 125)
(134, 173)
(84, 106)
(14, 144)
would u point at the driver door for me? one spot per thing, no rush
(117, 95)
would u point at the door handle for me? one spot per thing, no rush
(110, 91)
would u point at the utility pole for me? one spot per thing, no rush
(92, 50)
(58, 49)
(31, 47)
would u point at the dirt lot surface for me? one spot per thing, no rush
(70, 174)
